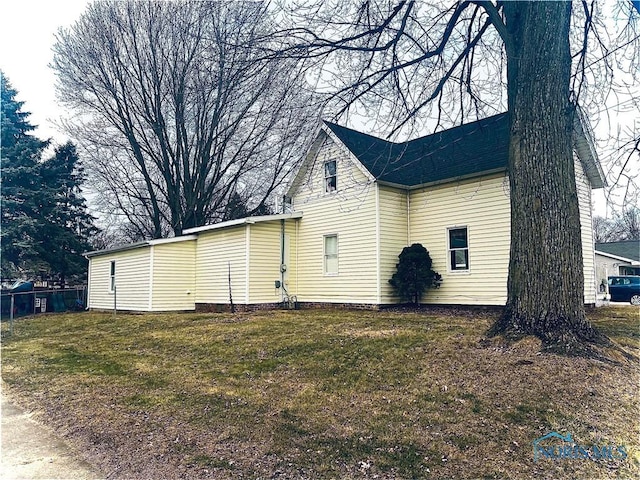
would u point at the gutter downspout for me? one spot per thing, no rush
(88, 299)
(282, 264)
(408, 217)
(378, 275)
(151, 255)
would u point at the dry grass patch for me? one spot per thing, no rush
(321, 394)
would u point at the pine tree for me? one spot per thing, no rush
(45, 224)
(20, 184)
(66, 225)
(236, 208)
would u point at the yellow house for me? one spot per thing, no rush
(354, 204)
(363, 199)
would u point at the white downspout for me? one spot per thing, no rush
(87, 306)
(282, 262)
(151, 252)
(378, 276)
(247, 262)
(408, 217)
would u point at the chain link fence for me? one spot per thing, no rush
(39, 300)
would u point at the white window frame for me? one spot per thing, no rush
(112, 276)
(451, 250)
(326, 256)
(328, 177)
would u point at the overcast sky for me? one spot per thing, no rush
(26, 37)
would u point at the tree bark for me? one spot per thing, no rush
(546, 279)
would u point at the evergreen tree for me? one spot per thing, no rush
(66, 226)
(45, 224)
(20, 184)
(414, 274)
(236, 208)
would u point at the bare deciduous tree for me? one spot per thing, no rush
(471, 59)
(178, 111)
(623, 226)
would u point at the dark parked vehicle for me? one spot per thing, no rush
(625, 288)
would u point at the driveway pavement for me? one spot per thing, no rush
(32, 451)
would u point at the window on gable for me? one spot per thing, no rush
(331, 254)
(330, 179)
(112, 276)
(458, 249)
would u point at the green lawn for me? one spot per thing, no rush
(321, 394)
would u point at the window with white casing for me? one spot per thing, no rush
(458, 249)
(330, 176)
(331, 254)
(112, 276)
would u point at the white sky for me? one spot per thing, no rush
(26, 35)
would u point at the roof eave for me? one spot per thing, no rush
(244, 221)
(444, 180)
(145, 243)
(303, 168)
(585, 148)
(618, 257)
(356, 161)
(120, 248)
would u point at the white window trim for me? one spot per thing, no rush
(324, 255)
(467, 270)
(325, 177)
(112, 276)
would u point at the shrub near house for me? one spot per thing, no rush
(414, 274)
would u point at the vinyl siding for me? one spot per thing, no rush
(174, 276)
(393, 236)
(350, 213)
(586, 230)
(132, 280)
(215, 251)
(99, 295)
(482, 205)
(264, 261)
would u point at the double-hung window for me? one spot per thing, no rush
(331, 254)
(458, 249)
(112, 276)
(330, 177)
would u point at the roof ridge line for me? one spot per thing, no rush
(406, 142)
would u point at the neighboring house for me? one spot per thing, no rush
(617, 258)
(355, 203)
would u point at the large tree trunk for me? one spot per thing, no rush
(546, 281)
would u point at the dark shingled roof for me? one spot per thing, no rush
(461, 151)
(628, 249)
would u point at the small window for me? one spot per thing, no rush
(112, 276)
(458, 249)
(330, 180)
(331, 255)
